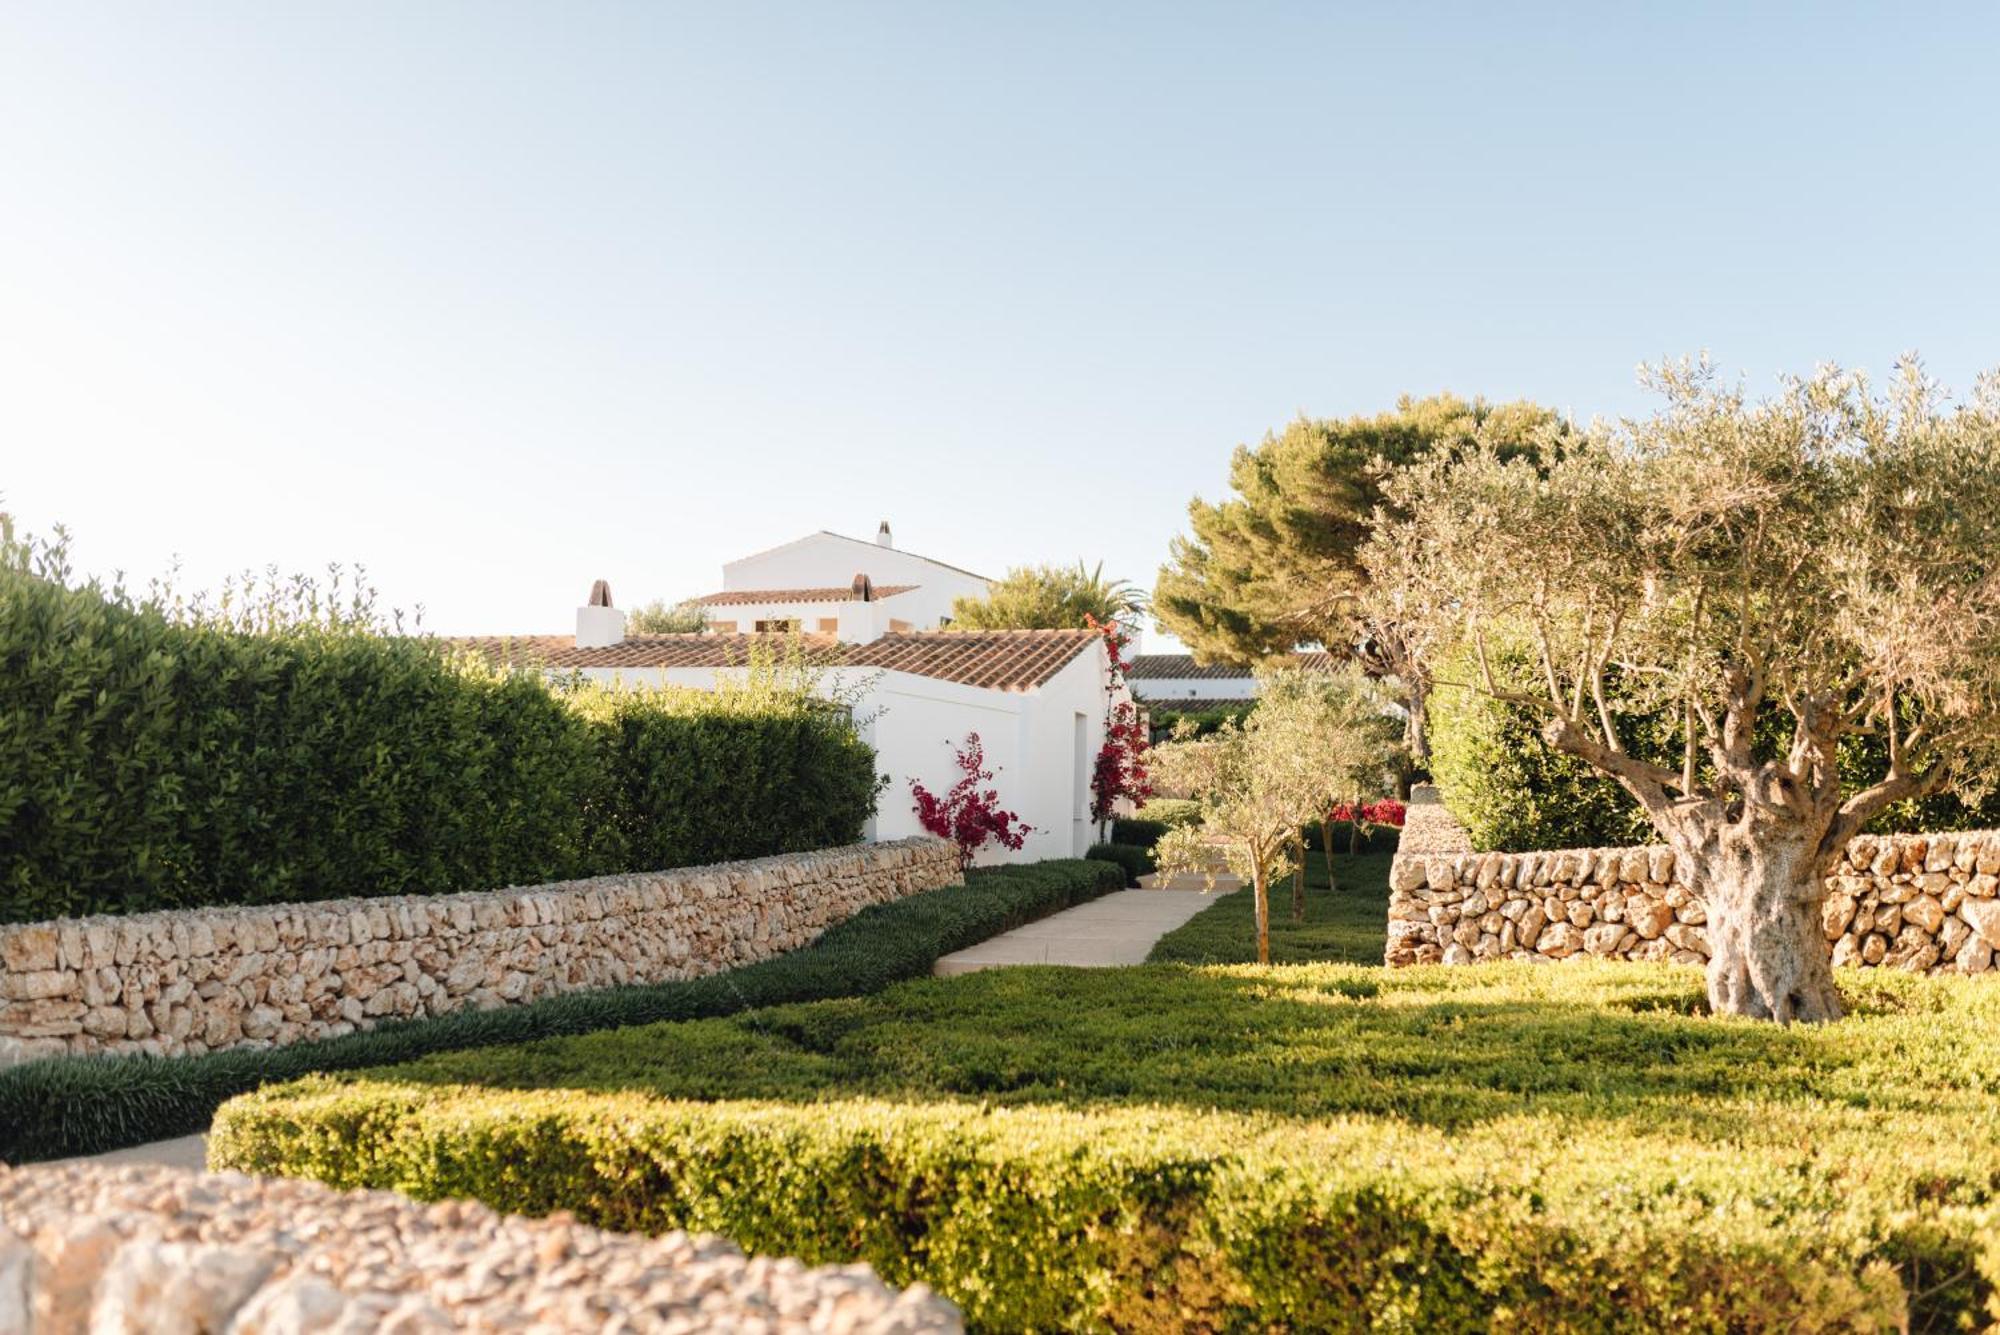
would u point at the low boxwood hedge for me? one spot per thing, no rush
(1135, 860)
(66, 1106)
(1318, 1148)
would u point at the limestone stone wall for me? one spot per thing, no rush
(203, 979)
(1925, 903)
(145, 1250)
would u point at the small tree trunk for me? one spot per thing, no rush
(1326, 851)
(1417, 723)
(1298, 876)
(1262, 903)
(1768, 956)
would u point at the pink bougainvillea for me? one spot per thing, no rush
(1386, 811)
(969, 814)
(1120, 769)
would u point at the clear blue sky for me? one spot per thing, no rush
(499, 299)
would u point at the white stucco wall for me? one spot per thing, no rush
(826, 560)
(1167, 689)
(915, 723)
(857, 622)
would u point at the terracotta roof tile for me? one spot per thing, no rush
(842, 594)
(1002, 660)
(1155, 667)
(637, 651)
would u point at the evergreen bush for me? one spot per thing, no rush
(293, 747)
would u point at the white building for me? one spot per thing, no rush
(1176, 679)
(1037, 698)
(809, 584)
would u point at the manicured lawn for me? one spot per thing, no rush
(1346, 926)
(1313, 1147)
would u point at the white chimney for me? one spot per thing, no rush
(882, 538)
(599, 625)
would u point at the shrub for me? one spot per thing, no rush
(1137, 861)
(67, 1106)
(1320, 1147)
(1372, 839)
(1513, 793)
(1135, 832)
(157, 759)
(1164, 716)
(1172, 812)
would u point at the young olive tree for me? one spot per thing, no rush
(1258, 782)
(1351, 737)
(1826, 562)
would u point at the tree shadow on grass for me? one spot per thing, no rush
(1446, 1049)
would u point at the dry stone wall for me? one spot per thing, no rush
(199, 980)
(149, 1250)
(1924, 903)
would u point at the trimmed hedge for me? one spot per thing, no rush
(67, 1106)
(1375, 839)
(1162, 814)
(1310, 1148)
(155, 762)
(1135, 860)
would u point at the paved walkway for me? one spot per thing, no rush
(181, 1152)
(1117, 929)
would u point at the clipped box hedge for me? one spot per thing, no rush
(149, 762)
(1135, 860)
(1146, 1219)
(64, 1106)
(1319, 1147)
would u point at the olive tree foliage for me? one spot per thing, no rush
(1278, 563)
(1313, 739)
(660, 617)
(1824, 562)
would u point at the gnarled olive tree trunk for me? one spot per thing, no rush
(1762, 887)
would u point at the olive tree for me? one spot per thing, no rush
(1825, 563)
(1261, 780)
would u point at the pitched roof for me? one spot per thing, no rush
(1001, 660)
(841, 594)
(1157, 667)
(861, 542)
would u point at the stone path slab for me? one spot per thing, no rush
(1117, 929)
(189, 1152)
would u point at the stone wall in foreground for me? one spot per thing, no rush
(1925, 903)
(150, 1249)
(199, 980)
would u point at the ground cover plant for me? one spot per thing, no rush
(85, 1105)
(1314, 1147)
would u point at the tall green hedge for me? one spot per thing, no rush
(156, 760)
